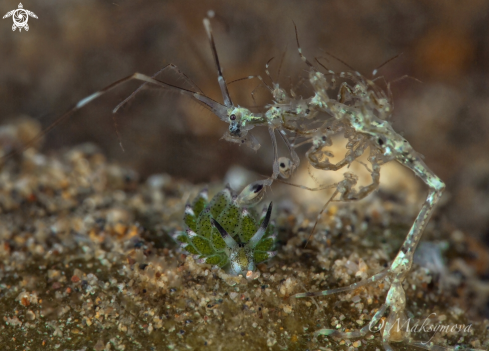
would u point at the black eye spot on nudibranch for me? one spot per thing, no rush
(232, 117)
(257, 188)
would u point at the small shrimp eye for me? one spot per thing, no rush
(286, 167)
(380, 141)
(232, 117)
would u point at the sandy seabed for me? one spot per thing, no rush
(87, 263)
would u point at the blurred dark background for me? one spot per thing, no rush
(78, 47)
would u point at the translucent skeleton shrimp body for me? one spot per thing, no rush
(360, 112)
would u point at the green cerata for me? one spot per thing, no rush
(224, 234)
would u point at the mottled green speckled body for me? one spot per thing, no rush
(224, 234)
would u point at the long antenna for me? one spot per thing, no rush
(385, 63)
(220, 77)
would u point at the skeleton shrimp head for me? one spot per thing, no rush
(241, 120)
(286, 167)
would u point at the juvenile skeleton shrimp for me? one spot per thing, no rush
(360, 111)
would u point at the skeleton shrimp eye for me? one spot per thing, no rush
(234, 125)
(285, 167)
(381, 141)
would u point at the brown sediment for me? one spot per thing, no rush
(87, 261)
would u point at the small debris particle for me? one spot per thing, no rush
(233, 295)
(30, 315)
(287, 309)
(355, 299)
(76, 331)
(99, 346)
(271, 342)
(287, 287)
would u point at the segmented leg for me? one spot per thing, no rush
(320, 159)
(171, 66)
(293, 154)
(400, 267)
(354, 334)
(364, 191)
(253, 91)
(276, 167)
(318, 217)
(267, 72)
(279, 95)
(299, 49)
(375, 278)
(208, 102)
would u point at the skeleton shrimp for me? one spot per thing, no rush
(360, 112)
